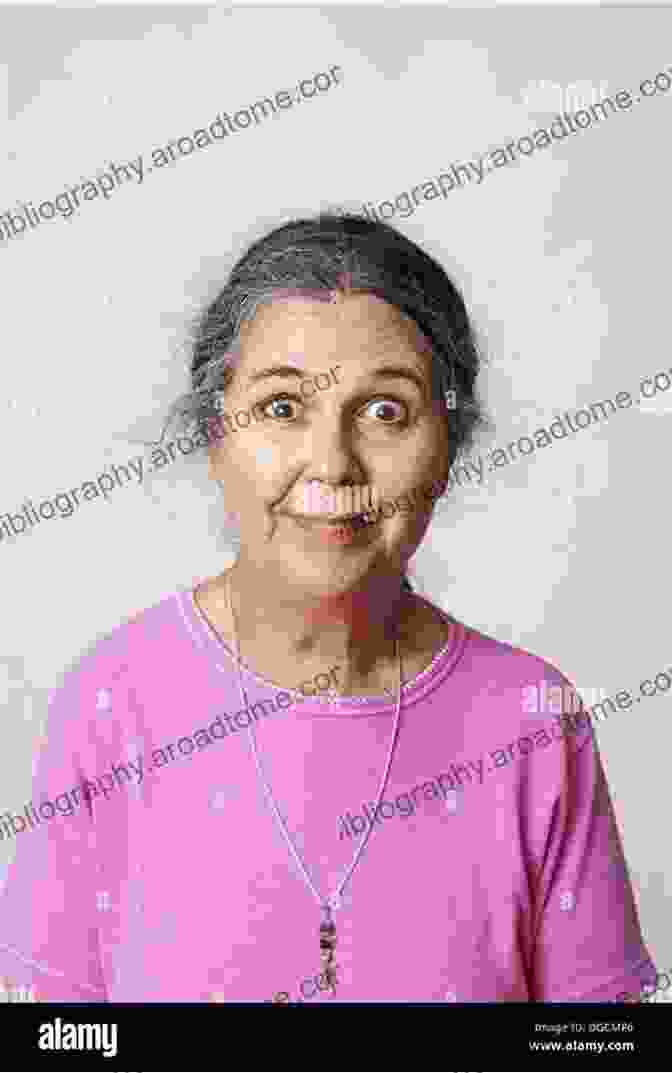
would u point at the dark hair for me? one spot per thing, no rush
(346, 252)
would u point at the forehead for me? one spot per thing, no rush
(331, 328)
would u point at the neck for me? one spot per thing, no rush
(353, 631)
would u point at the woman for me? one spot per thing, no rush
(216, 741)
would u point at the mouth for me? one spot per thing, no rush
(342, 528)
(340, 521)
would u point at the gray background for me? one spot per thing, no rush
(564, 260)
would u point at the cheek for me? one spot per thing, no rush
(250, 473)
(410, 468)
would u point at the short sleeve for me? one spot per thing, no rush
(588, 942)
(48, 925)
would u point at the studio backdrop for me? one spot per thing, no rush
(526, 149)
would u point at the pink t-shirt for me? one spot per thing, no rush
(494, 871)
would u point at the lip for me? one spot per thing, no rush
(334, 530)
(326, 519)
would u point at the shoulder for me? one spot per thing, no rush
(502, 665)
(538, 718)
(141, 643)
(511, 666)
(508, 694)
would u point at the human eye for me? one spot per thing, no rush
(279, 407)
(387, 411)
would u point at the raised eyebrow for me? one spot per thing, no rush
(388, 372)
(403, 372)
(278, 370)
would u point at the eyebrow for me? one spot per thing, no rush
(401, 372)
(278, 370)
(389, 372)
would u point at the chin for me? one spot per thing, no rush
(327, 582)
(331, 578)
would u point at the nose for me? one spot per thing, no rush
(331, 457)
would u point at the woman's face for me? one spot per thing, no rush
(342, 394)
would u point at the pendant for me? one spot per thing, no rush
(330, 977)
(327, 947)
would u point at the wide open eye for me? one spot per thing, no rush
(388, 411)
(279, 407)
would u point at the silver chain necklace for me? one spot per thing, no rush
(333, 901)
